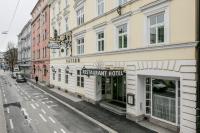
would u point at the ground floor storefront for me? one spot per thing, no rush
(162, 92)
(41, 70)
(26, 69)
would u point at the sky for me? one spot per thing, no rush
(22, 16)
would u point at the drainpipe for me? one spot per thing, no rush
(198, 68)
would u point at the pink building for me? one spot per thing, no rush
(40, 37)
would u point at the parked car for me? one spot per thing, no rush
(20, 78)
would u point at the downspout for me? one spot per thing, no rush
(198, 68)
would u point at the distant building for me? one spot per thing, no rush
(2, 60)
(24, 49)
(40, 38)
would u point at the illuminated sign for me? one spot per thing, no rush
(101, 72)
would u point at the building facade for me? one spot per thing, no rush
(2, 60)
(40, 38)
(24, 49)
(137, 55)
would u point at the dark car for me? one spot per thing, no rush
(20, 78)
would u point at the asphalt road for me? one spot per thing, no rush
(29, 110)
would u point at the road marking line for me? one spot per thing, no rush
(44, 98)
(4, 95)
(62, 130)
(79, 112)
(26, 98)
(52, 119)
(5, 100)
(32, 100)
(11, 124)
(33, 106)
(54, 132)
(37, 104)
(43, 111)
(43, 102)
(8, 110)
(42, 117)
(51, 106)
(49, 102)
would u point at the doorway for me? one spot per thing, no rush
(119, 89)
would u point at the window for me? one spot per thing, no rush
(100, 7)
(45, 71)
(66, 77)
(122, 36)
(100, 41)
(80, 46)
(161, 99)
(66, 3)
(59, 75)
(66, 24)
(80, 16)
(156, 28)
(54, 13)
(121, 2)
(54, 75)
(80, 79)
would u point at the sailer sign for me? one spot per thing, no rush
(102, 72)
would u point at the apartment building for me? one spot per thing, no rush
(134, 57)
(24, 49)
(40, 38)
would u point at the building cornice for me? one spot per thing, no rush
(136, 50)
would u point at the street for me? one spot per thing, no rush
(29, 110)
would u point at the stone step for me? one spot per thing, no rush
(113, 108)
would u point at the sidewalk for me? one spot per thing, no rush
(2, 115)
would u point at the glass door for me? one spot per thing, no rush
(119, 89)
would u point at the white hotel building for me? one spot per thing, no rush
(134, 57)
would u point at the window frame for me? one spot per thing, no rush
(122, 34)
(80, 76)
(149, 11)
(79, 45)
(80, 16)
(102, 39)
(100, 4)
(59, 75)
(156, 26)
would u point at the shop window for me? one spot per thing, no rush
(80, 79)
(162, 96)
(148, 96)
(66, 78)
(54, 75)
(59, 75)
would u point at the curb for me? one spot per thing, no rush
(77, 111)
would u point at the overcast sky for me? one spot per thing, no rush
(7, 8)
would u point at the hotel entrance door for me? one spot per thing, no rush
(119, 89)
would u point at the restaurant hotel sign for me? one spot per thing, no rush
(102, 72)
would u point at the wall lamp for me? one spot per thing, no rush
(67, 70)
(53, 69)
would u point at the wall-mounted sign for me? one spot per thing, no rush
(73, 60)
(131, 99)
(101, 72)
